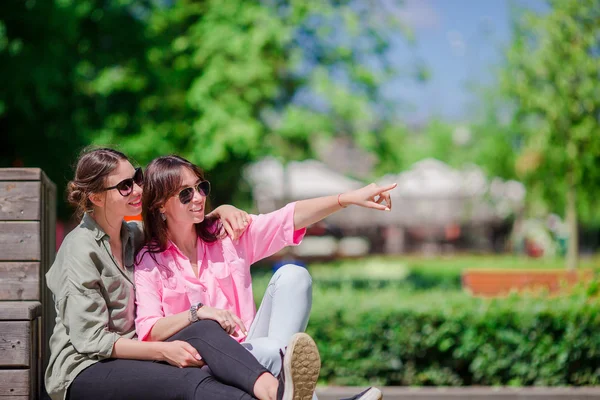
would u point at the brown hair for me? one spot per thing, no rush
(93, 167)
(162, 180)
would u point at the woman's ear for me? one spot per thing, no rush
(97, 199)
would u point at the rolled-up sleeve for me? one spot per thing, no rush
(82, 308)
(148, 296)
(85, 316)
(269, 233)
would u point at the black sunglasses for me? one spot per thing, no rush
(125, 187)
(186, 195)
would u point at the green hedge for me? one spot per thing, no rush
(410, 273)
(436, 338)
(405, 322)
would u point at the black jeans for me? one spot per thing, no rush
(233, 372)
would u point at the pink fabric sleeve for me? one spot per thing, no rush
(269, 233)
(148, 294)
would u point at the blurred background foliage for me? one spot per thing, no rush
(221, 83)
(226, 83)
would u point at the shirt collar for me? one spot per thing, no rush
(126, 236)
(128, 244)
(173, 247)
(88, 222)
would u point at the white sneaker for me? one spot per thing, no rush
(300, 369)
(369, 394)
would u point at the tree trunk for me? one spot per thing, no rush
(571, 217)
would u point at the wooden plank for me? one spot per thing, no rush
(48, 248)
(20, 281)
(14, 384)
(35, 360)
(19, 310)
(15, 343)
(20, 174)
(48, 184)
(19, 200)
(19, 241)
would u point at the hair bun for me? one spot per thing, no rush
(75, 195)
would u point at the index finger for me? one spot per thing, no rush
(239, 323)
(386, 188)
(229, 229)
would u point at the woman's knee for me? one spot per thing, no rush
(209, 325)
(294, 276)
(201, 328)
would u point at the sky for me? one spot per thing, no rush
(461, 42)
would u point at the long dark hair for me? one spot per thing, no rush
(162, 180)
(94, 165)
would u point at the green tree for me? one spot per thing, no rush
(220, 82)
(50, 53)
(229, 82)
(552, 77)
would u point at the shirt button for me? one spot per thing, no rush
(204, 289)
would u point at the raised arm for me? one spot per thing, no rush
(309, 211)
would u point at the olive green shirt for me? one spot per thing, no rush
(94, 301)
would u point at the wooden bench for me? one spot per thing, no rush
(27, 249)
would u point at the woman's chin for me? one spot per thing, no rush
(134, 211)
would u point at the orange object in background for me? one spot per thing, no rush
(501, 282)
(134, 218)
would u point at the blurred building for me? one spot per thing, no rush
(436, 208)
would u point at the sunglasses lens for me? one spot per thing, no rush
(204, 188)
(138, 178)
(186, 195)
(125, 187)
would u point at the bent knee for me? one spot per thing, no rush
(294, 276)
(207, 325)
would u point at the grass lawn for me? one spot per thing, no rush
(408, 274)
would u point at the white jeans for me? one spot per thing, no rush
(284, 311)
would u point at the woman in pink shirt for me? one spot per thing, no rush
(189, 270)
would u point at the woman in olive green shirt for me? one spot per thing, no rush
(94, 352)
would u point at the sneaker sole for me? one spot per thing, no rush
(372, 394)
(302, 365)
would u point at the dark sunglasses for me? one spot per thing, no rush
(186, 195)
(125, 187)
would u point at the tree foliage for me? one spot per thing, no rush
(221, 83)
(552, 76)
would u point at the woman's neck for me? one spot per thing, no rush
(110, 224)
(186, 239)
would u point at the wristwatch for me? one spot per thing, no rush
(194, 312)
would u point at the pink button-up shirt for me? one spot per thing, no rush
(224, 279)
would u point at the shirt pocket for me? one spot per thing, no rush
(240, 272)
(174, 300)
